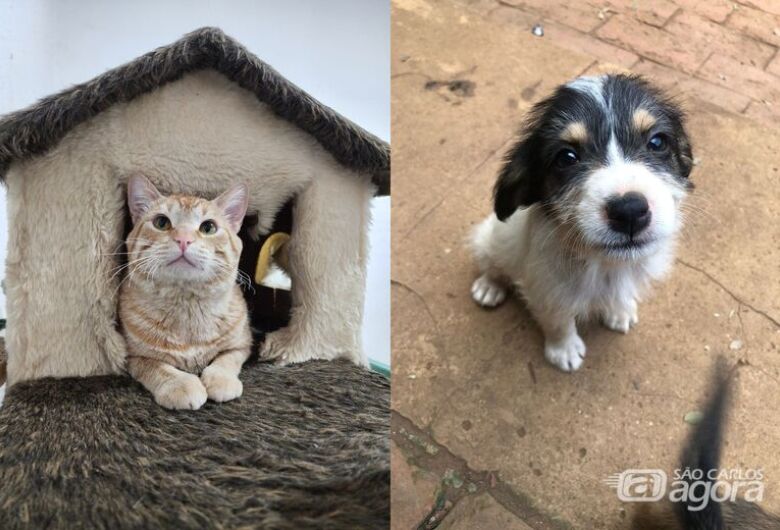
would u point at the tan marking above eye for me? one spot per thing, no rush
(643, 120)
(575, 133)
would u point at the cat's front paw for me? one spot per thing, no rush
(567, 353)
(221, 385)
(184, 391)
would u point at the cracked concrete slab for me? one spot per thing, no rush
(476, 380)
(415, 491)
(456, 483)
(481, 512)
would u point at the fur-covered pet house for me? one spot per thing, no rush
(306, 445)
(194, 117)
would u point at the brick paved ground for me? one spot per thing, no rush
(485, 434)
(723, 51)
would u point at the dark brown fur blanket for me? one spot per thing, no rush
(306, 446)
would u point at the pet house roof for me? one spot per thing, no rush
(35, 130)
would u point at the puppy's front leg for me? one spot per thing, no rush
(563, 347)
(620, 315)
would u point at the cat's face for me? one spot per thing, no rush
(184, 239)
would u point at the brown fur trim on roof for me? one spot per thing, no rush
(35, 130)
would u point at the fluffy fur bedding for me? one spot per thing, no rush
(306, 446)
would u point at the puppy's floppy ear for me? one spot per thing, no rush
(686, 155)
(517, 184)
(683, 153)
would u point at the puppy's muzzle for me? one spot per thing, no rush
(629, 213)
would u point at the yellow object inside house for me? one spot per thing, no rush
(273, 250)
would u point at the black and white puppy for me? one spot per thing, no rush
(587, 208)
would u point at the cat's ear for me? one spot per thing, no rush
(234, 203)
(141, 193)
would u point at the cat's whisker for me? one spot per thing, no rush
(245, 280)
(134, 265)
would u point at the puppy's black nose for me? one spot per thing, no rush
(629, 213)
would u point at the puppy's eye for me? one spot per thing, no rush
(657, 143)
(566, 158)
(161, 222)
(208, 228)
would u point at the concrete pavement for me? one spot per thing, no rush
(486, 434)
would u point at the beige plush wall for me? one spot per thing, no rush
(196, 135)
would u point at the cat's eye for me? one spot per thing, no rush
(161, 222)
(208, 228)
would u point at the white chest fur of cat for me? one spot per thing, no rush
(182, 314)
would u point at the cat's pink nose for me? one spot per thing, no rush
(183, 242)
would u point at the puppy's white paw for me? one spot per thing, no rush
(184, 391)
(220, 384)
(621, 321)
(487, 292)
(567, 354)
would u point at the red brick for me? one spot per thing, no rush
(764, 113)
(600, 68)
(483, 7)
(774, 66)
(758, 24)
(741, 77)
(656, 13)
(678, 83)
(654, 43)
(715, 10)
(565, 37)
(581, 15)
(585, 15)
(706, 35)
(770, 6)
(517, 18)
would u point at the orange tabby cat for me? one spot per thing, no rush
(180, 308)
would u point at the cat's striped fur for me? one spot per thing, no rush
(181, 311)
